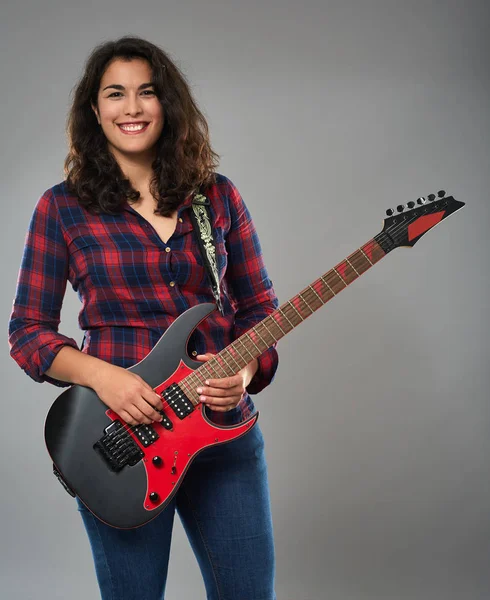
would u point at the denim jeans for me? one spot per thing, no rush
(224, 506)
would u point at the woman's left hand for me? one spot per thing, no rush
(224, 394)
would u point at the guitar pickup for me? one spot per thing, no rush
(146, 435)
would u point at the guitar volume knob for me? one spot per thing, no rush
(157, 461)
(154, 497)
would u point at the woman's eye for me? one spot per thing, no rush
(144, 92)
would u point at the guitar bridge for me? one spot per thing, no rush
(118, 448)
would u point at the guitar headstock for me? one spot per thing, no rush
(406, 225)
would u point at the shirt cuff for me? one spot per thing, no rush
(268, 362)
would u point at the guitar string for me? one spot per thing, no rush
(395, 231)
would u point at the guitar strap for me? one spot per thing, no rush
(201, 221)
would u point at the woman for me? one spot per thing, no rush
(118, 228)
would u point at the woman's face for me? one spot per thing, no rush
(129, 111)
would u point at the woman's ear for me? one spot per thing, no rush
(94, 108)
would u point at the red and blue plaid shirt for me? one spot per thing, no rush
(132, 285)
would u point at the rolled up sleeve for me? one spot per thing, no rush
(250, 285)
(33, 327)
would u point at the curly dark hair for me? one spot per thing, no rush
(184, 157)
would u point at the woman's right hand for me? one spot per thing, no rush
(127, 394)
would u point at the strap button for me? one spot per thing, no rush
(194, 353)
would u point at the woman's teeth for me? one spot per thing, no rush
(133, 127)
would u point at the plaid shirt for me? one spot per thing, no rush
(132, 285)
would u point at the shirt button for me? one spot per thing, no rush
(172, 283)
(180, 220)
(167, 249)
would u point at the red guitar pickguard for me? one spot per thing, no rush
(179, 446)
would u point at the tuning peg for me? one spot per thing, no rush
(400, 208)
(411, 204)
(441, 194)
(431, 197)
(421, 200)
(390, 211)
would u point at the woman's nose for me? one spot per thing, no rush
(132, 106)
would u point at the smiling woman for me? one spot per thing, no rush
(119, 230)
(126, 82)
(132, 117)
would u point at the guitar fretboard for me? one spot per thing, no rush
(284, 319)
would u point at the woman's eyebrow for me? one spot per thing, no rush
(121, 87)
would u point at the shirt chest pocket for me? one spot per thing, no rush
(105, 264)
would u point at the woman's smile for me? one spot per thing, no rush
(133, 128)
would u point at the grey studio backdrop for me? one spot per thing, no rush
(377, 424)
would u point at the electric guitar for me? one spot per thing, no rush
(126, 475)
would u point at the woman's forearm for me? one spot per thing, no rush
(74, 366)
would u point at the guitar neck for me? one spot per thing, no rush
(284, 319)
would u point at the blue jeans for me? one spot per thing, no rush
(224, 506)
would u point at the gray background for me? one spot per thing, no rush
(377, 425)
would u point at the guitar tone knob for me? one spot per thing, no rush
(154, 497)
(157, 461)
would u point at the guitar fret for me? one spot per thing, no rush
(258, 349)
(240, 340)
(235, 348)
(222, 369)
(277, 323)
(294, 308)
(215, 361)
(284, 315)
(223, 358)
(261, 338)
(366, 256)
(352, 266)
(340, 277)
(308, 306)
(319, 297)
(272, 336)
(322, 278)
(233, 359)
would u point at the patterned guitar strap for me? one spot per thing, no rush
(201, 221)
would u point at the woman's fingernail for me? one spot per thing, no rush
(199, 390)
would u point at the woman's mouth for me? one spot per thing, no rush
(133, 128)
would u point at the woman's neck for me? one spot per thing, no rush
(138, 169)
